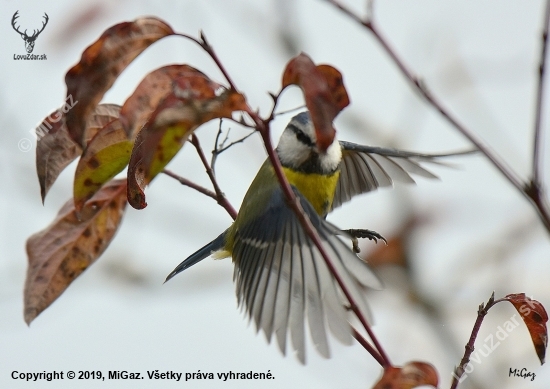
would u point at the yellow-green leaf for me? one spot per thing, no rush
(107, 155)
(193, 102)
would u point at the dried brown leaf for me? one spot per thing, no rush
(69, 245)
(101, 64)
(193, 102)
(535, 317)
(148, 94)
(324, 94)
(412, 375)
(55, 149)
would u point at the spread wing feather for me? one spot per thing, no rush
(282, 278)
(365, 168)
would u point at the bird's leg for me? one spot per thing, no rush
(363, 233)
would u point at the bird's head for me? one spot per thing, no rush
(297, 148)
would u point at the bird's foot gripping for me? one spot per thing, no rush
(362, 234)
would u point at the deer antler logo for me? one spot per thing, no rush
(29, 40)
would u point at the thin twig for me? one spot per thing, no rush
(469, 348)
(290, 110)
(223, 148)
(532, 193)
(370, 10)
(216, 142)
(208, 48)
(234, 143)
(537, 157)
(363, 342)
(191, 184)
(220, 196)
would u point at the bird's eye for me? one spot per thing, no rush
(303, 138)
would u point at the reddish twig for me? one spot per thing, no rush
(296, 206)
(191, 184)
(537, 157)
(469, 348)
(417, 83)
(208, 48)
(221, 200)
(363, 342)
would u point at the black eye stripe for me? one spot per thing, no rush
(303, 138)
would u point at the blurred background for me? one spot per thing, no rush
(452, 242)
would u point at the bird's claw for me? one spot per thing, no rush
(363, 233)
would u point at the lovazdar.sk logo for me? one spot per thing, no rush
(29, 39)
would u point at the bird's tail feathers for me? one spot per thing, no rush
(199, 255)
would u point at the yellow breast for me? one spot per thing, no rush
(318, 189)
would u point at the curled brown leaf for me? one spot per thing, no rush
(194, 101)
(409, 376)
(324, 93)
(148, 94)
(55, 149)
(535, 318)
(69, 245)
(101, 64)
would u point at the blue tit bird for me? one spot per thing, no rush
(281, 278)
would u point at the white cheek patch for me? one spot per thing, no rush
(290, 151)
(332, 158)
(294, 153)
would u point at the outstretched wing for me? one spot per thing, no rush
(281, 277)
(365, 168)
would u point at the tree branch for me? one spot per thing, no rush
(217, 151)
(417, 83)
(469, 348)
(537, 157)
